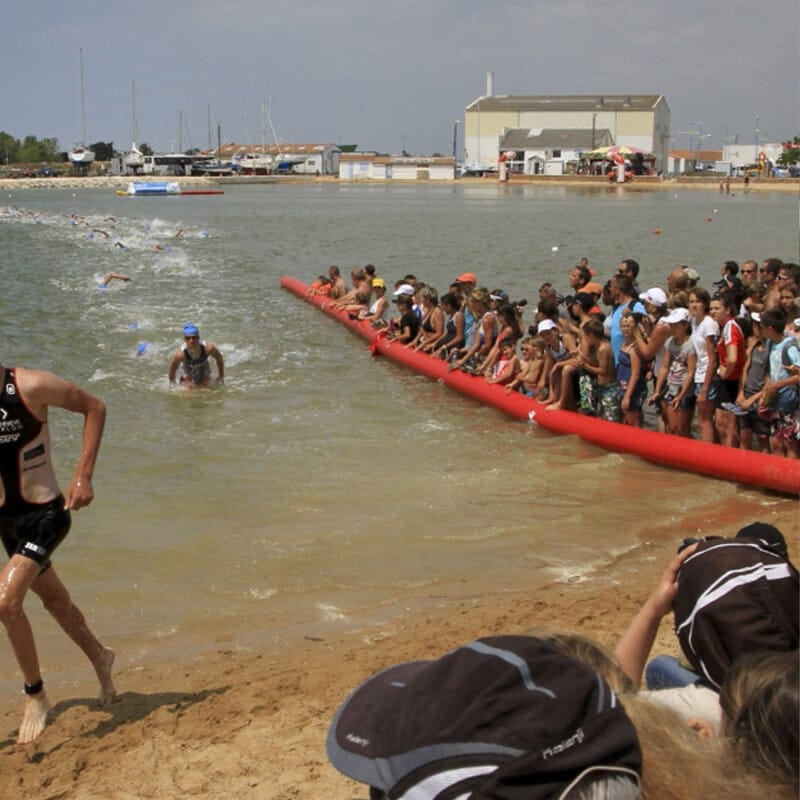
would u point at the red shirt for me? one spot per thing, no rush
(731, 335)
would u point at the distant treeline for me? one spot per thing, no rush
(32, 150)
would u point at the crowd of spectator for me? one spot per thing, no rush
(719, 363)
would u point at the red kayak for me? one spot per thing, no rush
(717, 461)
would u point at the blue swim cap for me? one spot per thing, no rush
(190, 330)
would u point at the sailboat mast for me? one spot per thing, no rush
(134, 132)
(83, 103)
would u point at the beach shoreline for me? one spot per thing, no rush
(642, 184)
(251, 722)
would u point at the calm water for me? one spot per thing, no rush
(322, 487)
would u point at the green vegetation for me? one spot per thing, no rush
(43, 151)
(29, 151)
(103, 151)
(791, 153)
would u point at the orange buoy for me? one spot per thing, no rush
(656, 231)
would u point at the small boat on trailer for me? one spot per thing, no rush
(761, 470)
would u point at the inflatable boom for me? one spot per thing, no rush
(718, 461)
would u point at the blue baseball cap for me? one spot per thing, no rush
(190, 330)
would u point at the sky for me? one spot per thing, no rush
(384, 75)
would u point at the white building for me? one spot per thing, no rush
(640, 121)
(550, 152)
(369, 166)
(742, 155)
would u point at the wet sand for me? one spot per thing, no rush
(249, 724)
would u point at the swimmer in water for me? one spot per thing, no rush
(193, 355)
(111, 277)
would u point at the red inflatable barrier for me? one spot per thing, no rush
(718, 461)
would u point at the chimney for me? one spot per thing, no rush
(490, 84)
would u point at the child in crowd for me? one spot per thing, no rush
(674, 388)
(321, 286)
(508, 322)
(780, 398)
(531, 367)
(507, 364)
(631, 374)
(453, 333)
(704, 336)
(730, 349)
(599, 390)
(754, 375)
(559, 365)
(406, 327)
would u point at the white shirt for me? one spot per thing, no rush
(700, 334)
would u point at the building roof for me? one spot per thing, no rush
(697, 155)
(399, 160)
(231, 148)
(567, 102)
(549, 138)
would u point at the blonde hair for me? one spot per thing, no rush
(759, 700)
(679, 764)
(480, 295)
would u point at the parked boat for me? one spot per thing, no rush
(214, 167)
(81, 156)
(253, 163)
(719, 461)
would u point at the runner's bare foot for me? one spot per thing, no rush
(102, 666)
(34, 718)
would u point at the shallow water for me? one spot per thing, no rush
(322, 487)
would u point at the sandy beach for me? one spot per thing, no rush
(253, 724)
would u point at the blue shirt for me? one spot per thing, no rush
(615, 334)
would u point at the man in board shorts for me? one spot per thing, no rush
(35, 518)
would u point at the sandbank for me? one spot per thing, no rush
(249, 724)
(644, 184)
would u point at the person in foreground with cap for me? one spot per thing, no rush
(729, 596)
(193, 356)
(35, 518)
(503, 717)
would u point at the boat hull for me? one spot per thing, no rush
(81, 156)
(727, 463)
